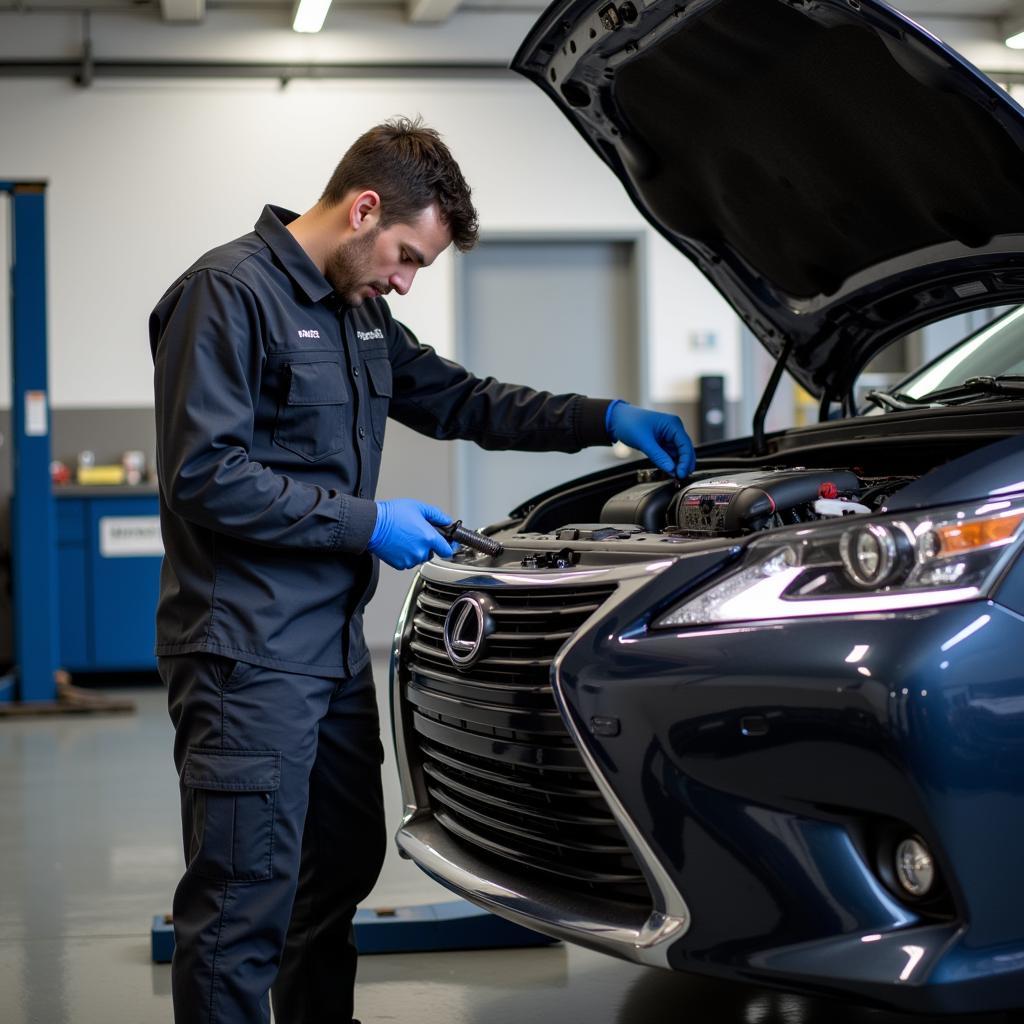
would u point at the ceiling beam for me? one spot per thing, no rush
(431, 10)
(183, 10)
(59, 67)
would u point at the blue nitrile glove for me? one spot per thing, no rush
(404, 536)
(659, 435)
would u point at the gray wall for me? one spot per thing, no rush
(107, 432)
(413, 467)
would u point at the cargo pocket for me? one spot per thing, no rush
(233, 798)
(379, 371)
(311, 419)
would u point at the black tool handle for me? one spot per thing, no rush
(477, 541)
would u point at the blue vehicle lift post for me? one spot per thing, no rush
(35, 684)
(33, 519)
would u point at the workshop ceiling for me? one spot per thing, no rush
(194, 10)
(91, 39)
(441, 10)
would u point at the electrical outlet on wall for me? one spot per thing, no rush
(702, 341)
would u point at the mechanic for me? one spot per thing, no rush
(277, 362)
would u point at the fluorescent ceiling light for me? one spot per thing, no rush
(1012, 26)
(310, 15)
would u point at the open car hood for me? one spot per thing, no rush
(837, 172)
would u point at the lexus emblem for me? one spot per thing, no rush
(467, 626)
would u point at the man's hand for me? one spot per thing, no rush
(660, 436)
(404, 534)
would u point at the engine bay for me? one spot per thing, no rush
(740, 503)
(707, 507)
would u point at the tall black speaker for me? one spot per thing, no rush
(712, 409)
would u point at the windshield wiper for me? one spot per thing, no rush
(1007, 385)
(886, 400)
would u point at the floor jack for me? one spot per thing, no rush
(432, 927)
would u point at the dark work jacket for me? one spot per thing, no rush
(271, 402)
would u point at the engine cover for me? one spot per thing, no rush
(745, 502)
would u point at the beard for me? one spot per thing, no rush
(348, 268)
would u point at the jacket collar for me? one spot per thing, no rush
(272, 228)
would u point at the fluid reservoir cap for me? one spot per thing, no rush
(828, 490)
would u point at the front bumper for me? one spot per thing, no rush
(753, 770)
(638, 931)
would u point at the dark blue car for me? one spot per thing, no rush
(766, 722)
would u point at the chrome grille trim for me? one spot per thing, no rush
(516, 729)
(619, 929)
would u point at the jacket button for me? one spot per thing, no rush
(355, 371)
(362, 432)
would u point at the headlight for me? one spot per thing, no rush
(876, 553)
(878, 563)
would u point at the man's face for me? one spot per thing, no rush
(379, 260)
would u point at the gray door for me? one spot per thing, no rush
(556, 315)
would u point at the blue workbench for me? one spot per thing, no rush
(108, 564)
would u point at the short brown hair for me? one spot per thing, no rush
(410, 168)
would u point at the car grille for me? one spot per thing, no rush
(501, 770)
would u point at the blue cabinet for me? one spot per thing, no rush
(109, 555)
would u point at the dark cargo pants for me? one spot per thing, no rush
(282, 821)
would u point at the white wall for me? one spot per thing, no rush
(978, 39)
(147, 174)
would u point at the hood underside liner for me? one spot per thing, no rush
(792, 147)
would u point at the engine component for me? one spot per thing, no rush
(564, 559)
(598, 531)
(754, 501)
(645, 504)
(830, 508)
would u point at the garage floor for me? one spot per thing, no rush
(89, 852)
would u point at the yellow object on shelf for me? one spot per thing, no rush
(91, 475)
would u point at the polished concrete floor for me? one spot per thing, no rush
(89, 852)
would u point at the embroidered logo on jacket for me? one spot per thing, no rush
(309, 334)
(376, 334)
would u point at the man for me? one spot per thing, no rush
(277, 363)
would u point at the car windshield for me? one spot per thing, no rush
(995, 351)
(968, 357)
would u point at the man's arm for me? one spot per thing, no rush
(441, 399)
(208, 362)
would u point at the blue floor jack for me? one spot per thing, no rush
(432, 927)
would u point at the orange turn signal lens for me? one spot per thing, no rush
(959, 538)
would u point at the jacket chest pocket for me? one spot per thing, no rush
(379, 372)
(311, 418)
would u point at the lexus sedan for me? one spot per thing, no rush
(766, 722)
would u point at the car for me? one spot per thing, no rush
(766, 722)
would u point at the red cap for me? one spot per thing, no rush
(828, 490)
